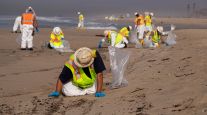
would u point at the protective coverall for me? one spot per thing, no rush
(81, 21)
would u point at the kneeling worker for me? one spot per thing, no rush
(115, 39)
(81, 75)
(157, 36)
(56, 38)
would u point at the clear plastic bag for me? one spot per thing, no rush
(171, 38)
(147, 43)
(118, 64)
(66, 47)
(138, 44)
(19, 39)
(133, 37)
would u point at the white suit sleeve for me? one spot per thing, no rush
(125, 40)
(113, 39)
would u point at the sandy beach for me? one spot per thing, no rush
(170, 80)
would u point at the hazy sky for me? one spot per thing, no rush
(97, 7)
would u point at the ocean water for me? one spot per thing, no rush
(47, 22)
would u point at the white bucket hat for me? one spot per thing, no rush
(160, 28)
(57, 30)
(83, 57)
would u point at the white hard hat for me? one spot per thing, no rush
(29, 7)
(130, 27)
(57, 30)
(135, 13)
(160, 28)
(151, 13)
(78, 13)
(106, 32)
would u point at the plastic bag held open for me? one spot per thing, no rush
(118, 64)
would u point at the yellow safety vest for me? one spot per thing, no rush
(56, 39)
(148, 21)
(119, 38)
(124, 32)
(155, 37)
(80, 79)
(81, 18)
(136, 21)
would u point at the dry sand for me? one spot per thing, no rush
(164, 81)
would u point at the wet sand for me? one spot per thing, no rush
(170, 80)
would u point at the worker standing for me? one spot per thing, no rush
(140, 27)
(125, 31)
(17, 24)
(81, 20)
(82, 74)
(56, 38)
(28, 22)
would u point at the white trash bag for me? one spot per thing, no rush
(118, 64)
(147, 42)
(66, 47)
(171, 39)
(133, 37)
(138, 44)
(19, 39)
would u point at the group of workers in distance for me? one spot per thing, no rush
(28, 25)
(144, 30)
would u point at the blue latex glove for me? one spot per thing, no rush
(62, 38)
(54, 94)
(37, 30)
(100, 94)
(100, 44)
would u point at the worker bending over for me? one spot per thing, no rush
(81, 75)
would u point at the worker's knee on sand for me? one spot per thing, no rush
(71, 90)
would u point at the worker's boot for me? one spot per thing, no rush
(23, 48)
(31, 49)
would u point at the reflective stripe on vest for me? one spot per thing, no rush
(109, 36)
(80, 79)
(27, 18)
